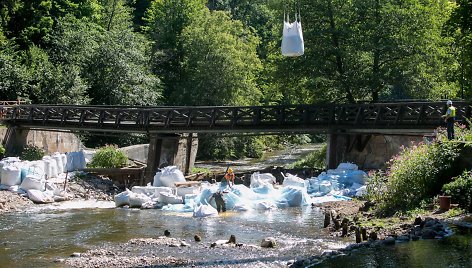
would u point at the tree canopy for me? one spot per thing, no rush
(198, 52)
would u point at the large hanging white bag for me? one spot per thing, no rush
(292, 38)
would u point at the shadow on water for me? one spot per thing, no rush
(454, 251)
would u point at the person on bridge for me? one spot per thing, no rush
(450, 118)
(228, 179)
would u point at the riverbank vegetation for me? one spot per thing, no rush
(197, 52)
(422, 172)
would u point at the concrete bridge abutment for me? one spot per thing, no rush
(368, 151)
(15, 140)
(171, 150)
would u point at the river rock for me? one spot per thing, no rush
(197, 238)
(373, 236)
(75, 254)
(167, 233)
(232, 239)
(389, 241)
(268, 242)
(403, 238)
(430, 223)
(428, 233)
(415, 238)
(418, 221)
(438, 227)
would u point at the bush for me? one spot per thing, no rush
(460, 190)
(417, 173)
(212, 147)
(32, 153)
(109, 157)
(316, 159)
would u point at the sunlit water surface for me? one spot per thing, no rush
(38, 237)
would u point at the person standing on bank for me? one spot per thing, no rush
(450, 118)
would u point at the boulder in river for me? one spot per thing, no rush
(268, 242)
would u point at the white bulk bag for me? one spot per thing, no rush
(292, 39)
(64, 162)
(258, 179)
(50, 167)
(75, 161)
(204, 211)
(33, 182)
(37, 168)
(58, 158)
(40, 197)
(7, 161)
(137, 200)
(169, 198)
(182, 191)
(122, 199)
(291, 180)
(168, 176)
(11, 175)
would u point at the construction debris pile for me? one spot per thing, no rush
(170, 191)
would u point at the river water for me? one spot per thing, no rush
(39, 237)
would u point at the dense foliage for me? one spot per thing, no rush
(417, 173)
(32, 153)
(108, 157)
(461, 190)
(316, 159)
(199, 52)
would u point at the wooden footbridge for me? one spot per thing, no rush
(405, 117)
(171, 128)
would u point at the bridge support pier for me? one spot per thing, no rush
(171, 150)
(366, 150)
(15, 140)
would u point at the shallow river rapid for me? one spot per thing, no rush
(38, 238)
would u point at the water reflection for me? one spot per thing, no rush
(454, 251)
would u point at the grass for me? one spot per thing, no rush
(196, 170)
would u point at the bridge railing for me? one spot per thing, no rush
(419, 115)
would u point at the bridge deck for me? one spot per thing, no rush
(411, 117)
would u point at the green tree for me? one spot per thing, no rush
(54, 84)
(14, 76)
(220, 62)
(166, 20)
(368, 50)
(115, 15)
(32, 21)
(460, 28)
(118, 72)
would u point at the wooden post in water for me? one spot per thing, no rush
(358, 235)
(327, 219)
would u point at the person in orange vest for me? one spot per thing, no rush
(450, 118)
(228, 179)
